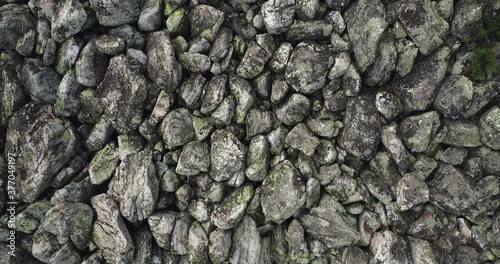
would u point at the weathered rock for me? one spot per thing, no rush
(283, 192)
(133, 38)
(246, 242)
(462, 133)
(490, 128)
(407, 52)
(418, 132)
(197, 244)
(388, 104)
(307, 67)
(450, 190)
(416, 89)
(26, 43)
(110, 45)
(205, 21)
(253, 62)
(68, 20)
(308, 30)
(387, 247)
(35, 134)
(12, 95)
(244, 94)
(150, 18)
(385, 62)
(297, 246)
(302, 139)
(230, 212)
(163, 68)
(466, 20)
(180, 234)
(395, 147)
(91, 65)
(195, 62)
(135, 186)
(214, 94)
(220, 245)
(365, 24)
(423, 24)
(194, 158)
(411, 191)
(110, 14)
(192, 89)
(103, 164)
(278, 15)
(15, 20)
(67, 55)
(362, 131)
(259, 121)
(40, 81)
(177, 128)
(226, 155)
(68, 100)
(161, 225)
(257, 159)
(294, 109)
(454, 96)
(280, 57)
(109, 232)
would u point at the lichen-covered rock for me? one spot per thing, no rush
(416, 89)
(180, 234)
(278, 15)
(109, 232)
(385, 62)
(302, 139)
(259, 121)
(110, 14)
(12, 95)
(150, 18)
(220, 245)
(257, 159)
(91, 65)
(362, 131)
(387, 247)
(467, 19)
(230, 212)
(123, 97)
(194, 158)
(294, 109)
(395, 147)
(68, 100)
(253, 62)
(198, 244)
(454, 96)
(283, 192)
(163, 67)
(35, 134)
(297, 246)
(307, 67)
(70, 222)
(246, 242)
(111, 45)
(177, 128)
(307, 30)
(69, 18)
(205, 21)
(418, 132)
(411, 191)
(450, 190)
(423, 24)
(365, 24)
(15, 20)
(135, 186)
(462, 133)
(244, 94)
(40, 81)
(103, 164)
(490, 128)
(161, 225)
(195, 62)
(226, 155)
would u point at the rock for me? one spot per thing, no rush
(12, 95)
(178, 22)
(135, 186)
(336, 19)
(161, 225)
(329, 227)
(70, 222)
(407, 52)
(205, 21)
(123, 98)
(421, 251)
(67, 253)
(133, 38)
(411, 191)
(454, 96)
(279, 59)
(259, 121)
(49, 56)
(453, 156)
(490, 128)
(395, 147)
(244, 94)
(297, 246)
(91, 65)
(294, 109)
(416, 89)
(354, 254)
(195, 62)
(351, 82)
(423, 24)
(110, 14)
(68, 20)
(180, 234)
(385, 62)
(68, 100)
(450, 190)
(220, 245)
(200, 210)
(253, 62)
(177, 128)
(230, 212)
(150, 18)
(342, 63)
(80, 190)
(40, 81)
(387, 247)
(109, 232)
(388, 104)
(278, 15)
(26, 43)
(43, 35)
(15, 21)
(257, 158)
(377, 185)
(276, 139)
(361, 134)
(67, 55)
(283, 192)
(307, 67)
(193, 159)
(143, 246)
(29, 219)
(110, 45)
(103, 164)
(35, 134)
(163, 68)
(220, 47)
(461, 133)
(192, 89)
(246, 242)
(225, 111)
(214, 94)
(226, 155)
(418, 132)
(302, 139)
(365, 38)
(482, 95)
(44, 245)
(197, 244)
(309, 30)
(466, 20)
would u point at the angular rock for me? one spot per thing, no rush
(246, 242)
(307, 67)
(192, 89)
(363, 37)
(177, 128)
(197, 244)
(302, 139)
(244, 94)
(161, 225)
(229, 213)
(109, 232)
(35, 134)
(110, 14)
(280, 57)
(411, 191)
(253, 62)
(15, 21)
(283, 192)
(297, 246)
(466, 20)
(150, 18)
(205, 21)
(385, 62)
(309, 30)
(454, 96)
(278, 15)
(462, 133)
(418, 132)
(259, 121)
(214, 94)
(67, 55)
(163, 68)
(220, 245)
(387, 247)
(361, 134)
(195, 62)
(395, 147)
(294, 109)
(180, 234)
(40, 81)
(12, 95)
(91, 65)
(226, 155)
(103, 164)
(257, 159)
(26, 43)
(194, 158)
(68, 100)
(490, 128)
(133, 38)
(388, 104)
(69, 18)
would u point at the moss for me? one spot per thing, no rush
(483, 61)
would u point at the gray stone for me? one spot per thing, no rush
(283, 192)
(103, 164)
(26, 43)
(225, 111)
(29, 219)
(67, 55)
(244, 94)
(416, 89)
(302, 139)
(214, 94)
(341, 65)
(276, 139)
(35, 134)
(180, 234)
(307, 67)
(192, 89)
(220, 245)
(387, 247)
(221, 46)
(407, 52)
(462, 133)
(381, 70)
(15, 21)
(40, 81)
(362, 131)
(226, 155)
(205, 21)
(150, 18)
(411, 191)
(293, 110)
(68, 95)
(253, 62)
(162, 224)
(280, 57)
(50, 53)
(44, 245)
(69, 18)
(490, 128)
(246, 242)
(257, 159)
(278, 15)
(195, 62)
(259, 121)
(297, 246)
(12, 95)
(133, 38)
(91, 65)
(163, 68)
(229, 213)
(395, 147)
(466, 20)
(193, 159)
(309, 30)
(351, 81)
(454, 96)
(423, 24)
(66, 254)
(177, 128)
(418, 132)
(388, 104)
(110, 45)
(453, 156)
(110, 14)
(197, 244)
